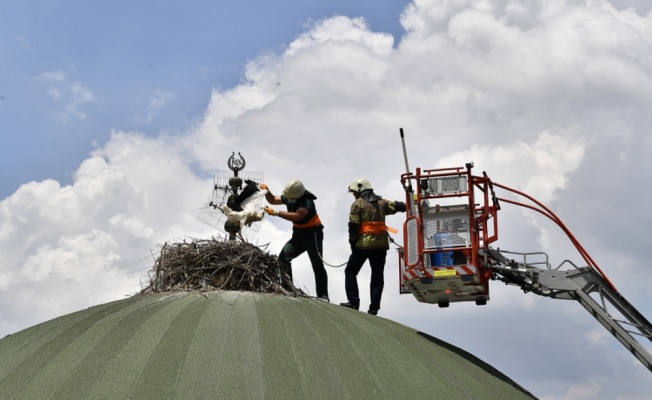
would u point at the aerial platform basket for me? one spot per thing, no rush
(448, 220)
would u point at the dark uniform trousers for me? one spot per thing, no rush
(312, 243)
(376, 259)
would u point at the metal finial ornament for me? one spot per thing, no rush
(236, 164)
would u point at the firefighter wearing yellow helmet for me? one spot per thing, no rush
(307, 230)
(369, 241)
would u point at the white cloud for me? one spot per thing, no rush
(74, 94)
(54, 93)
(128, 197)
(52, 76)
(588, 390)
(78, 96)
(549, 160)
(158, 100)
(552, 99)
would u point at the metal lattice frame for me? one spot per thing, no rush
(211, 213)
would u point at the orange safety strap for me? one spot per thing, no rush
(375, 228)
(372, 228)
(313, 222)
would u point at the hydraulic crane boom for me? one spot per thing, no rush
(578, 283)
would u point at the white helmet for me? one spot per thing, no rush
(360, 185)
(294, 189)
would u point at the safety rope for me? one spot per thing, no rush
(322, 258)
(344, 263)
(393, 242)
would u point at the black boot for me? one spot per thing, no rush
(349, 305)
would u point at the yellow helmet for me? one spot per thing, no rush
(360, 185)
(294, 189)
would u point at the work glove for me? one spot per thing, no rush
(271, 211)
(264, 186)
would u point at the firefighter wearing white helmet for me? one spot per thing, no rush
(294, 189)
(307, 230)
(369, 241)
(360, 185)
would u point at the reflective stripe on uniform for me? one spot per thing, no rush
(312, 222)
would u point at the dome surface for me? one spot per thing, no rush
(237, 345)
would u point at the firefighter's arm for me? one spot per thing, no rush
(292, 216)
(271, 198)
(395, 206)
(354, 225)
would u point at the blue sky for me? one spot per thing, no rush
(142, 65)
(115, 115)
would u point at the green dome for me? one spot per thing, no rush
(237, 345)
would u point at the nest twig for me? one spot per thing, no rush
(219, 264)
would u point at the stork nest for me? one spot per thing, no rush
(219, 264)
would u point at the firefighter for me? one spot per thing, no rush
(307, 230)
(369, 241)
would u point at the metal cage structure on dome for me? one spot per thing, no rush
(226, 187)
